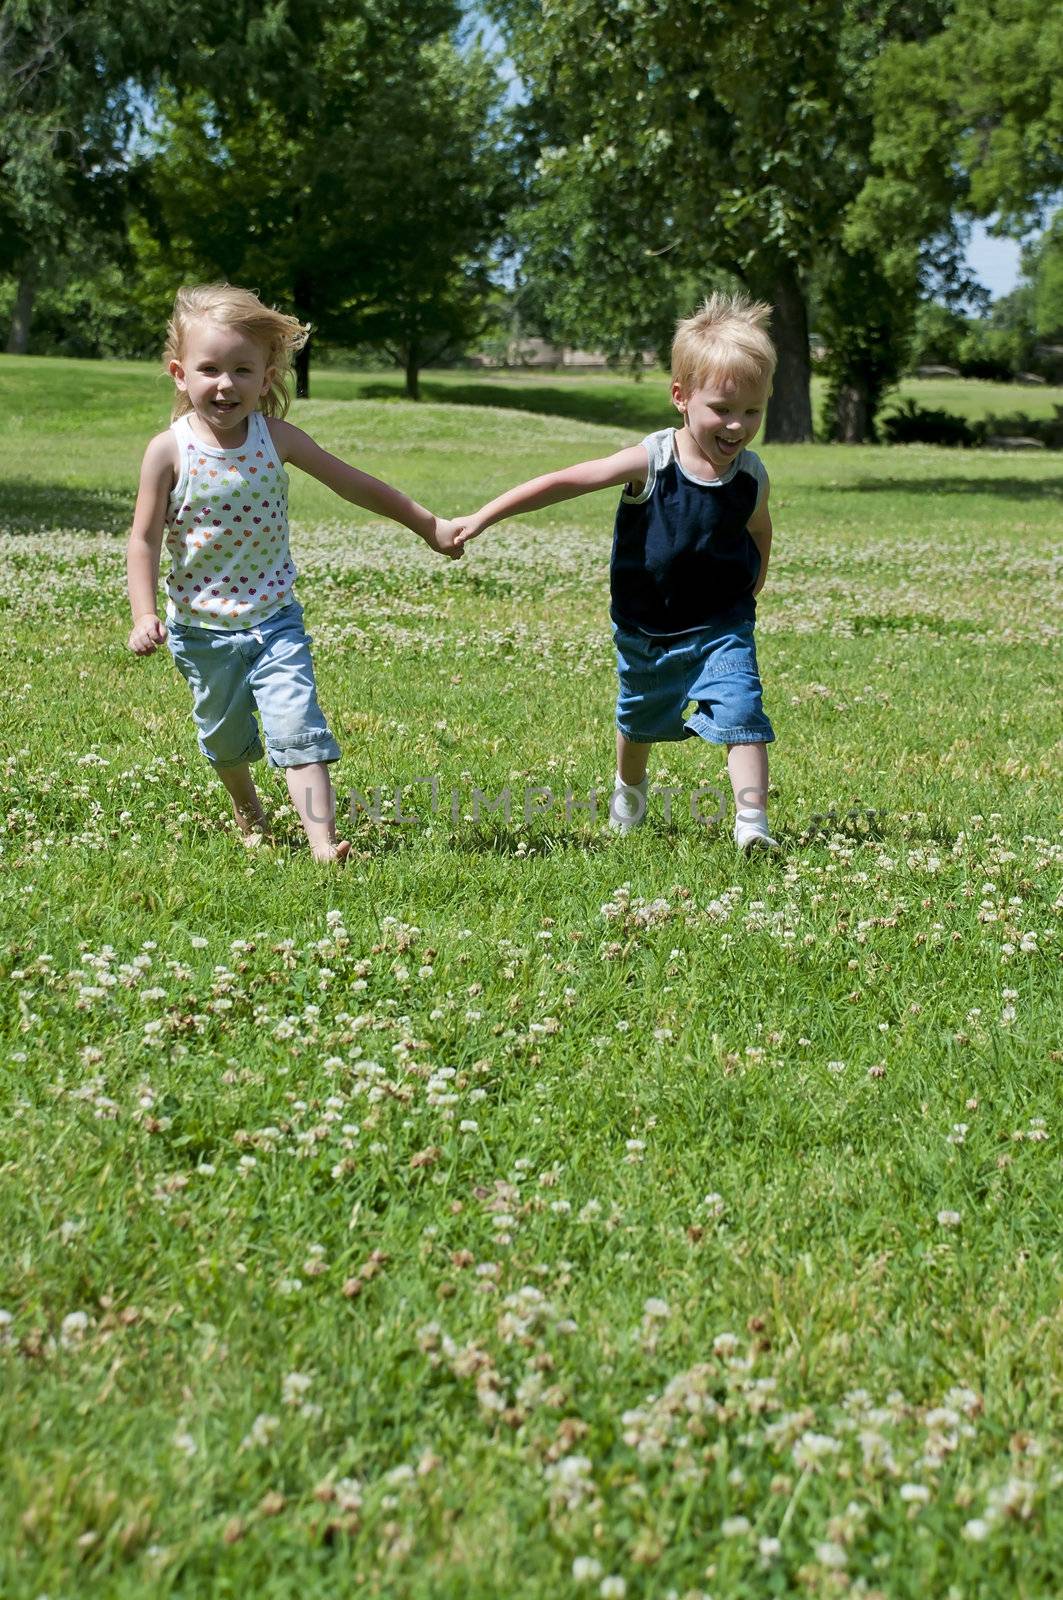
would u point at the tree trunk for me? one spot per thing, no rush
(18, 339)
(413, 372)
(852, 414)
(302, 372)
(790, 408)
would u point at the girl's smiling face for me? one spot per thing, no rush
(223, 371)
(721, 416)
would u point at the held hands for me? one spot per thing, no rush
(444, 538)
(468, 528)
(148, 633)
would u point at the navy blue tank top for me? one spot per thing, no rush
(682, 551)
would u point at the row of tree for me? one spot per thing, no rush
(346, 157)
(356, 161)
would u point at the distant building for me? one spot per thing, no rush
(537, 354)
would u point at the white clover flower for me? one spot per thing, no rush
(976, 1530)
(261, 1432)
(914, 1493)
(74, 1326)
(812, 1448)
(294, 1386)
(585, 1569)
(612, 1588)
(949, 1219)
(735, 1527)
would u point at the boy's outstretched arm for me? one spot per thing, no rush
(360, 489)
(759, 526)
(627, 466)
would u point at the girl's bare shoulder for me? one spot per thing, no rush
(160, 456)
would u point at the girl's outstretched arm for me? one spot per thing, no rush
(372, 494)
(158, 474)
(626, 466)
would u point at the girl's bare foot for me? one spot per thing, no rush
(259, 838)
(335, 850)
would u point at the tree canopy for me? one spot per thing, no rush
(352, 160)
(679, 145)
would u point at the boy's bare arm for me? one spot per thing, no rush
(759, 526)
(372, 494)
(157, 476)
(626, 466)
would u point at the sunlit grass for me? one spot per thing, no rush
(524, 1209)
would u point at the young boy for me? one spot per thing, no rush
(690, 553)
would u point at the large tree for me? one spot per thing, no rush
(78, 77)
(66, 115)
(370, 213)
(681, 143)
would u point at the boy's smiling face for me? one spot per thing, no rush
(721, 416)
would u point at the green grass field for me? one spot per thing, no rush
(522, 1211)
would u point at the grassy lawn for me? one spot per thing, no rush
(526, 1212)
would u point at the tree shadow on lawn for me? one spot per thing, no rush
(1003, 488)
(643, 410)
(30, 507)
(502, 841)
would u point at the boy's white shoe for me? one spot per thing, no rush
(752, 832)
(627, 805)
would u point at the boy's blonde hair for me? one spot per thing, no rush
(279, 335)
(726, 338)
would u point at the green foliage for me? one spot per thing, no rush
(371, 239)
(1001, 343)
(969, 118)
(912, 423)
(865, 324)
(937, 334)
(1043, 268)
(680, 151)
(66, 115)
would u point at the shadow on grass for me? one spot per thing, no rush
(644, 409)
(1003, 488)
(513, 842)
(38, 507)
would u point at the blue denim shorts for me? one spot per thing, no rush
(268, 669)
(716, 667)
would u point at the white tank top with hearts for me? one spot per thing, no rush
(227, 532)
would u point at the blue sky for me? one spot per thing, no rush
(994, 262)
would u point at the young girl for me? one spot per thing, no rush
(214, 486)
(690, 553)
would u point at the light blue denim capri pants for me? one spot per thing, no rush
(265, 668)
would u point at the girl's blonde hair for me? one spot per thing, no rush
(726, 338)
(279, 335)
